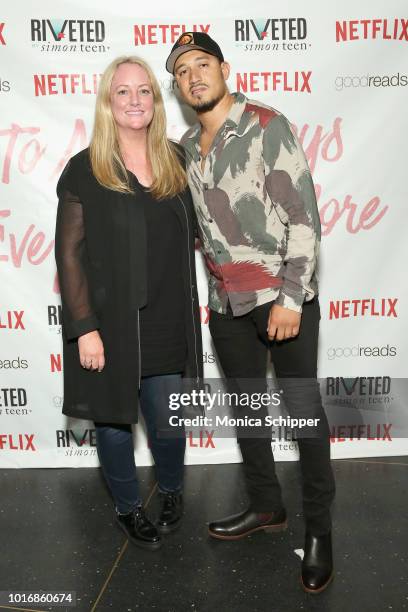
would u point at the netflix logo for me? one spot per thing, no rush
(370, 307)
(55, 362)
(66, 84)
(298, 81)
(18, 442)
(341, 433)
(12, 319)
(155, 34)
(204, 315)
(372, 29)
(205, 439)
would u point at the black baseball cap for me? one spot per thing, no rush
(189, 41)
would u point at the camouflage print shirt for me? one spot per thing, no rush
(256, 210)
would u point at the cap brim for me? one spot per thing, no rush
(173, 57)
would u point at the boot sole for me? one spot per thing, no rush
(140, 543)
(266, 528)
(319, 590)
(166, 529)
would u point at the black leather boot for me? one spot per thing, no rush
(317, 564)
(139, 529)
(240, 525)
(171, 512)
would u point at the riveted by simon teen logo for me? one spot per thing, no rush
(69, 35)
(272, 34)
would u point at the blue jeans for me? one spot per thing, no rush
(115, 445)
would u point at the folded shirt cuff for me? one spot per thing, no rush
(74, 329)
(293, 302)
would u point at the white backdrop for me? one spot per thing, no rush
(338, 74)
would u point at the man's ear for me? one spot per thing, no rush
(225, 69)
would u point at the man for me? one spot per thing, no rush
(260, 232)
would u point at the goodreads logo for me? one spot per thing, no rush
(208, 357)
(340, 352)
(13, 364)
(4, 86)
(343, 82)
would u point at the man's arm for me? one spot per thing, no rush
(290, 187)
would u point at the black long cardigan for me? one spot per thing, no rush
(100, 250)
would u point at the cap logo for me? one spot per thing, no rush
(186, 39)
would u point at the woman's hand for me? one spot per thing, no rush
(91, 354)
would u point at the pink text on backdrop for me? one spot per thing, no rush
(30, 244)
(28, 154)
(317, 144)
(329, 146)
(320, 143)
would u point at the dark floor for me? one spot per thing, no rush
(58, 534)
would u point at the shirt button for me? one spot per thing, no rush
(210, 220)
(205, 186)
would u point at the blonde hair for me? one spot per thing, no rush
(169, 177)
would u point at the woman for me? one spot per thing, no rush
(125, 259)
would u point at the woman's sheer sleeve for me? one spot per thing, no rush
(72, 262)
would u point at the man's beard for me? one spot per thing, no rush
(205, 107)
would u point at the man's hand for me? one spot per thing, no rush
(91, 353)
(283, 323)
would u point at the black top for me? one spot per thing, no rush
(162, 330)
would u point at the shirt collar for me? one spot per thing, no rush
(237, 110)
(231, 125)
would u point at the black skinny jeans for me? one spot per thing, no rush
(242, 345)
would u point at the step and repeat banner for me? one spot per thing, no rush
(341, 77)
